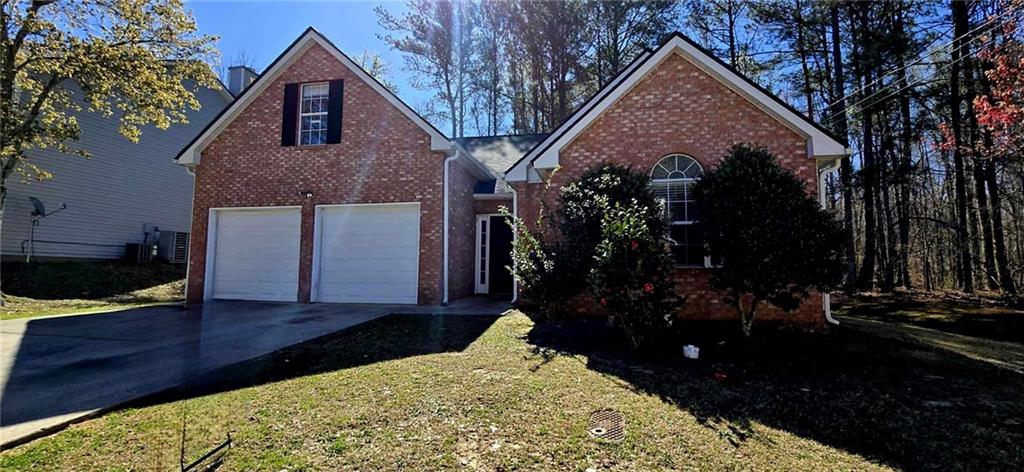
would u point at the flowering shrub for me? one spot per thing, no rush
(609, 242)
(583, 203)
(631, 273)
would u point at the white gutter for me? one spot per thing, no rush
(826, 298)
(444, 268)
(515, 214)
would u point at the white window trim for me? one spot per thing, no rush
(707, 258)
(325, 114)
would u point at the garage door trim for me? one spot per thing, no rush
(318, 221)
(211, 240)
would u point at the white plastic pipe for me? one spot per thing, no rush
(826, 298)
(444, 250)
(515, 214)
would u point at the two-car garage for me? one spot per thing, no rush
(362, 253)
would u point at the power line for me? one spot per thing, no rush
(910, 85)
(893, 93)
(930, 52)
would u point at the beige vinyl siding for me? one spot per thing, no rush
(112, 194)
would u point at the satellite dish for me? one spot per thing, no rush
(39, 208)
(38, 213)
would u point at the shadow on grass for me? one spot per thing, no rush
(384, 339)
(892, 402)
(84, 280)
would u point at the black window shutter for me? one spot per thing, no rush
(289, 115)
(334, 112)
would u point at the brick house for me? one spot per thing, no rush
(317, 184)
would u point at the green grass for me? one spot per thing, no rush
(429, 393)
(980, 316)
(52, 288)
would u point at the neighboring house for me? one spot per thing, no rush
(319, 185)
(114, 197)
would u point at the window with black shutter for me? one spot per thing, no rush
(312, 113)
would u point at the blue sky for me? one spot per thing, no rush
(262, 29)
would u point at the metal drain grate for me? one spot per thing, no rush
(608, 425)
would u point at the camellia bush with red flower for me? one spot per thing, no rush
(631, 273)
(608, 241)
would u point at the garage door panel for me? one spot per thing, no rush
(373, 277)
(364, 263)
(372, 293)
(376, 242)
(369, 254)
(257, 254)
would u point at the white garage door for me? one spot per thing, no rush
(368, 253)
(256, 256)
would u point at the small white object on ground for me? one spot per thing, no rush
(690, 351)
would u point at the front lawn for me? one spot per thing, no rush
(52, 288)
(452, 392)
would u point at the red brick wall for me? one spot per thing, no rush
(383, 157)
(700, 302)
(484, 207)
(461, 233)
(678, 108)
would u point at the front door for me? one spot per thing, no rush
(501, 257)
(494, 255)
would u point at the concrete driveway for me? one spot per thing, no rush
(54, 370)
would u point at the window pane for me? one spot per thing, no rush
(314, 90)
(688, 247)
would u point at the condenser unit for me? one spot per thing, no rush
(173, 246)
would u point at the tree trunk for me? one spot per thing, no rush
(733, 57)
(888, 247)
(960, 28)
(1002, 262)
(801, 51)
(840, 126)
(866, 278)
(747, 315)
(903, 173)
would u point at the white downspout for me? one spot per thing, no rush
(444, 251)
(826, 298)
(515, 214)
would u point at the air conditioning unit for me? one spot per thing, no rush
(173, 247)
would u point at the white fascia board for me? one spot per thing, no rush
(438, 141)
(547, 153)
(493, 196)
(192, 155)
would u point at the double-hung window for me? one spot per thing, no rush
(672, 181)
(313, 114)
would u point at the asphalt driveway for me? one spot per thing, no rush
(54, 370)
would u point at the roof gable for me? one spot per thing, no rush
(820, 141)
(191, 154)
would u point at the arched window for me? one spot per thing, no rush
(672, 181)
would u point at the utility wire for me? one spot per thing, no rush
(925, 54)
(910, 85)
